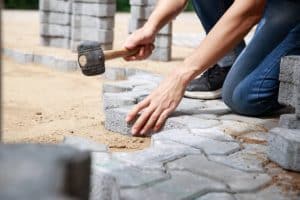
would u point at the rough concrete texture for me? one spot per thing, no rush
(84, 144)
(290, 121)
(284, 148)
(94, 9)
(106, 23)
(39, 171)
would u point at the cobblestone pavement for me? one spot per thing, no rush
(203, 152)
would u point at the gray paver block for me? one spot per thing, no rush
(20, 57)
(182, 185)
(95, 1)
(41, 170)
(55, 42)
(237, 180)
(142, 2)
(56, 63)
(189, 122)
(81, 21)
(117, 87)
(135, 24)
(94, 9)
(56, 6)
(189, 107)
(153, 158)
(287, 93)
(217, 196)
(217, 107)
(161, 54)
(288, 67)
(213, 133)
(284, 148)
(250, 159)
(115, 74)
(141, 12)
(104, 186)
(289, 121)
(55, 30)
(116, 100)
(163, 41)
(84, 144)
(209, 146)
(91, 34)
(74, 44)
(55, 18)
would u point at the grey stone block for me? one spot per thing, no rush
(115, 120)
(40, 171)
(84, 144)
(135, 24)
(289, 121)
(55, 30)
(163, 41)
(238, 181)
(20, 57)
(56, 42)
(56, 63)
(250, 159)
(287, 93)
(117, 87)
(284, 148)
(101, 35)
(63, 6)
(161, 54)
(47, 17)
(182, 185)
(297, 101)
(141, 12)
(82, 21)
(207, 145)
(142, 2)
(214, 134)
(189, 107)
(116, 100)
(217, 196)
(115, 74)
(287, 69)
(94, 9)
(95, 1)
(155, 157)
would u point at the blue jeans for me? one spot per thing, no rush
(251, 87)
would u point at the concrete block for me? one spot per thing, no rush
(189, 107)
(84, 144)
(167, 29)
(209, 146)
(55, 42)
(284, 148)
(163, 41)
(287, 69)
(116, 100)
(135, 24)
(142, 2)
(20, 57)
(84, 21)
(182, 185)
(115, 74)
(40, 171)
(55, 30)
(117, 87)
(216, 196)
(91, 34)
(141, 12)
(289, 121)
(47, 17)
(287, 94)
(94, 9)
(56, 63)
(161, 54)
(64, 6)
(237, 180)
(95, 1)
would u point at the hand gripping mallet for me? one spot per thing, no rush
(91, 57)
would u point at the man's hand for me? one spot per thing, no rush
(144, 38)
(155, 109)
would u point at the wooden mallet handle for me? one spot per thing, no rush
(112, 54)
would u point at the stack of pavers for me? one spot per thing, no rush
(284, 141)
(140, 12)
(55, 16)
(93, 20)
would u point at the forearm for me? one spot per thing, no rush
(227, 33)
(164, 12)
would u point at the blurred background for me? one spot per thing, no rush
(122, 5)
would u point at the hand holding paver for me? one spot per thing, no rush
(158, 105)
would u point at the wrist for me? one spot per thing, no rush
(150, 27)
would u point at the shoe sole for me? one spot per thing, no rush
(217, 94)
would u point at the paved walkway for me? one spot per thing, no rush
(203, 152)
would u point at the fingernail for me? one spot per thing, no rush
(133, 131)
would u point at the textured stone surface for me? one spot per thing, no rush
(217, 196)
(80, 21)
(238, 181)
(284, 148)
(209, 146)
(38, 171)
(213, 133)
(287, 94)
(182, 185)
(55, 18)
(94, 9)
(287, 69)
(115, 74)
(289, 121)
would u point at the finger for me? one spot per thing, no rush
(151, 122)
(141, 54)
(142, 120)
(133, 113)
(148, 52)
(162, 119)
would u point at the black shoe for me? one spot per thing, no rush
(209, 85)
